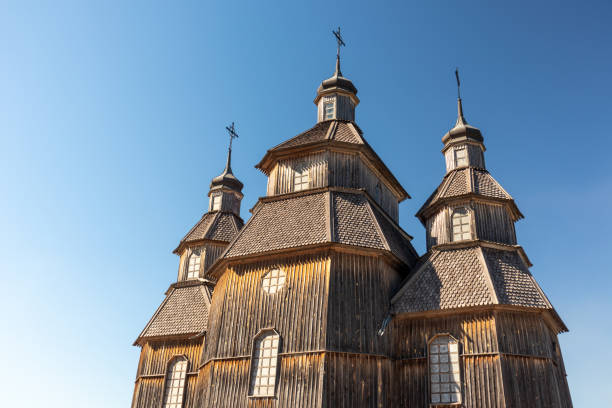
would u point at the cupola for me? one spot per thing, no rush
(337, 96)
(225, 189)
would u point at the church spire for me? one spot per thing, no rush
(225, 189)
(337, 96)
(463, 144)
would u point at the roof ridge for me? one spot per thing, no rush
(487, 272)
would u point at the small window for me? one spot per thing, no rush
(193, 268)
(175, 383)
(461, 224)
(328, 109)
(216, 203)
(273, 281)
(264, 364)
(461, 157)
(300, 180)
(444, 374)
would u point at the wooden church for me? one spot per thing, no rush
(320, 300)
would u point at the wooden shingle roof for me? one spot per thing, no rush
(456, 277)
(319, 217)
(467, 181)
(184, 311)
(214, 226)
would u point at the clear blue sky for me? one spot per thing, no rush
(112, 123)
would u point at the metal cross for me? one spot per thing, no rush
(232, 134)
(339, 40)
(458, 83)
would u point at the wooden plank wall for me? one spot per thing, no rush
(491, 222)
(154, 358)
(359, 292)
(334, 169)
(211, 253)
(241, 308)
(474, 153)
(299, 383)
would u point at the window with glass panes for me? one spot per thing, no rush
(216, 204)
(444, 374)
(273, 281)
(175, 383)
(461, 224)
(461, 157)
(328, 109)
(300, 180)
(264, 365)
(193, 268)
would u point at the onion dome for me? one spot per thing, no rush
(337, 83)
(227, 178)
(462, 130)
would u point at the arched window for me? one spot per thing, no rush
(461, 224)
(300, 180)
(264, 364)
(175, 382)
(193, 267)
(444, 373)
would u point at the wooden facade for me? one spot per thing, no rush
(350, 315)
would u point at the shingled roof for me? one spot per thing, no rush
(341, 133)
(214, 226)
(184, 311)
(330, 216)
(338, 130)
(466, 181)
(457, 277)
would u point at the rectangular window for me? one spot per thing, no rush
(461, 157)
(328, 109)
(216, 204)
(193, 269)
(462, 228)
(444, 374)
(300, 180)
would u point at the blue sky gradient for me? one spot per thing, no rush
(112, 119)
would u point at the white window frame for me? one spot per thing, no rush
(175, 382)
(329, 110)
(216, 203)
(461, 157)
(265, 367)
(444, 370)
(461, 224)
(193, 268)
(273, 281)
(301, 180)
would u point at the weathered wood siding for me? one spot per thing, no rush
(224, 384)
(359, 292)
(344, 107)
(507, 359)
(154, 358)
(240, 308)
(230, 201)
(490, 222)
(335, 169)
(475, 156)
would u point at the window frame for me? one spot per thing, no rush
(457, 158)
(468, 215)
(279, 288)
(429, 372)
(215, 204)
(190, 255)
(261, 335)
(301, 174)
(170, 362)
(332, 115)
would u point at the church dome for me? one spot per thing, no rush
(227, 179)
(462, 130)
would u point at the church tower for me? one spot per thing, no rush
(304, 288)
(473, 327)
(173, 340)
